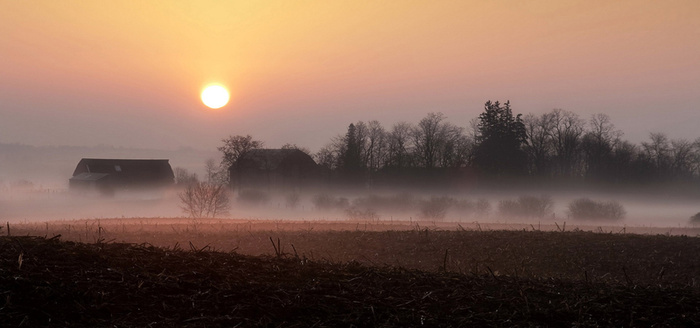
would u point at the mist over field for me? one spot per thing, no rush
(35, 205)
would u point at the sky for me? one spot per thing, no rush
(129, 73)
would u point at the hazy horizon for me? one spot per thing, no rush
(129, 74)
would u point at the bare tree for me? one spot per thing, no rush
(328, 156)
(598, 145)
(184, 177)
(435, 141)
(398, 147)
(568, 131)
(201, 200)
(695, 166)
(540, 143)
(681, 158)
(658, 151)
(235, 146)
(294, 146)
(603, 130)
(376, 145)
(426, 137)
(216, 173)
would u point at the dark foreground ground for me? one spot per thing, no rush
(49, 282)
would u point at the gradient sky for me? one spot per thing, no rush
(129, 73)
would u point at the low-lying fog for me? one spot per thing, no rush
(20, 205)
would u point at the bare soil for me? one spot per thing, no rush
(185, 273)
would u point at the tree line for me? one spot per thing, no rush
(500, 147)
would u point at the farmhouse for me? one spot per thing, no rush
(107, 175)
(274, 169)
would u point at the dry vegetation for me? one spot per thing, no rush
(329, 274)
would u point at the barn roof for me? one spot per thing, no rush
(129, 169)
(271, 159)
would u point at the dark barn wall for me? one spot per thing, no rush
(285, 169)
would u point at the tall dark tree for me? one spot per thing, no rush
(351, 152)
(500, 139)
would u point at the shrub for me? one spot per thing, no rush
(399, 202)
(482, 207)
(536, 206)
(293, 200)
(328, 202)
(253, 197)
(586, 209)
(201, 200)
(464, 206)
(509, 208)
(527, 206)
(695, 218)
(436, 208)
(356, 213)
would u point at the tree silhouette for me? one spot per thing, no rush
(568, 130)
(540, 143)
(351, 153)
(500, 139)
(598, 147)
(203, 200)
(235, 146)
(435, 141)
(398, 146)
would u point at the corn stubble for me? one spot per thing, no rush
(342, 278)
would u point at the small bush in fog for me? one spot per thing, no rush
(200, 200)
(482, 207)
(328, 202)
(465, 206)
(396, 203)
(509, 208)
(586, 209)
(695, 218)
(436, 208)
(479, 208)
(253, 197)
(536, 206)
(527, 206)
(356, 213)
(293, 200)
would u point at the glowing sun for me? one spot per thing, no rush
(215, 96)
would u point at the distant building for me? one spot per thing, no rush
(106, 175)
(286, 169)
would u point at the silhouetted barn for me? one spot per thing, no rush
(110, 174)
(274, 169)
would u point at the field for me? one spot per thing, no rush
(202, 273)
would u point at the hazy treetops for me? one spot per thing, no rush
(499, 145)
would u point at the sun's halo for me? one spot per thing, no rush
(215, 96)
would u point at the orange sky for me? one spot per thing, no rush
(129, 73)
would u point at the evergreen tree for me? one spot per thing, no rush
(351, 159)
(499, 140)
